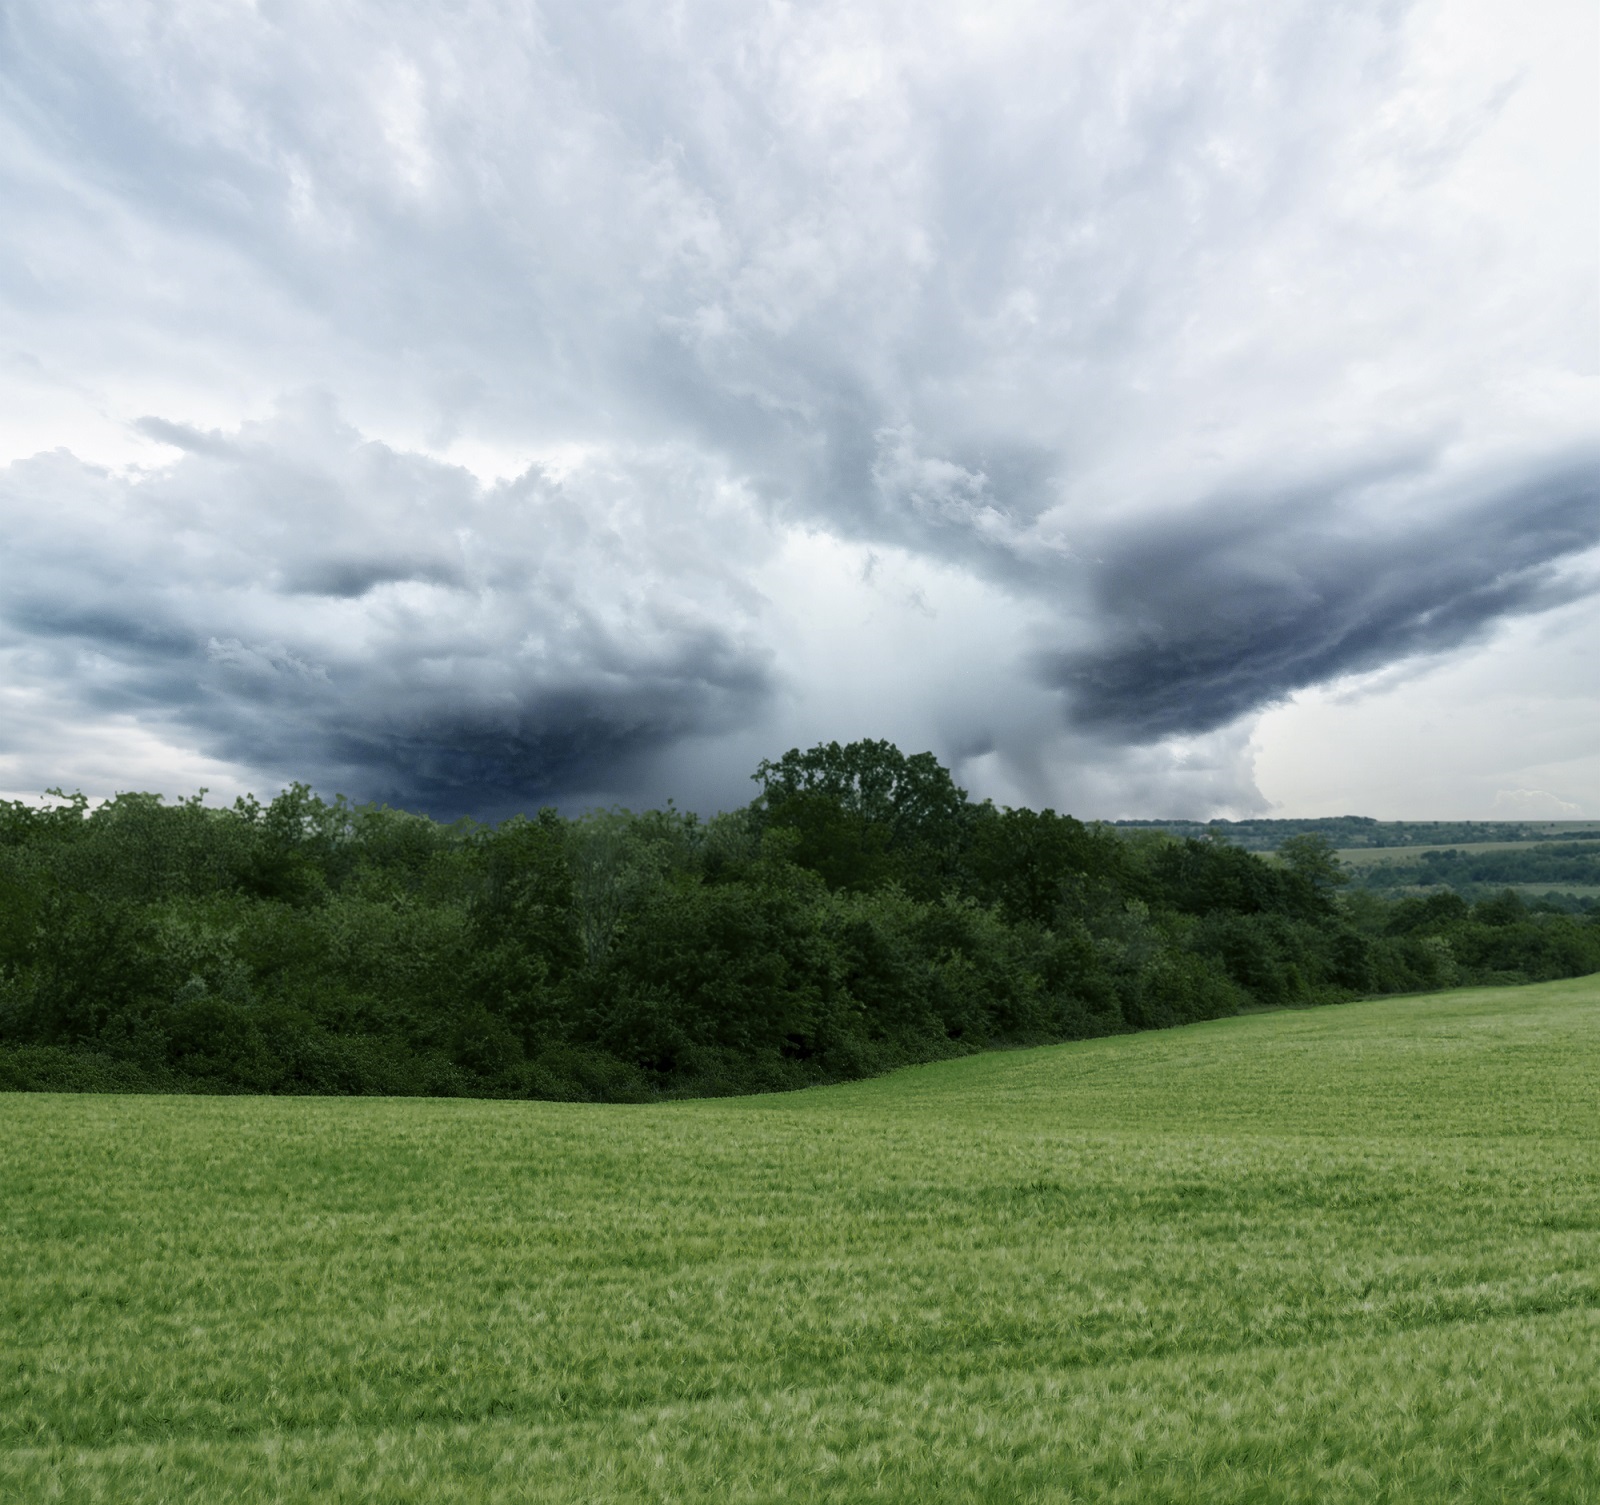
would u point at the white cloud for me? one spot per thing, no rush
(1534, 804)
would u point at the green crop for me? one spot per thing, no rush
(1347, 1254)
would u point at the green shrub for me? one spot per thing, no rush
(860, 914)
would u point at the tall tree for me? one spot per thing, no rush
(864, 814)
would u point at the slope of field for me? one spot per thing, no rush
(1533, 869)
(1350, 1254)
(1365, 857)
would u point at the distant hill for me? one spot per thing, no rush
(1349, 831)
(1555, 864)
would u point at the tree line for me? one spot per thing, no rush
(1562, 867)
(861, 913)
(1352, 831)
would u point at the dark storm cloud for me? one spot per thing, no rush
(305, 602)
(549, 747)
(1237, 605)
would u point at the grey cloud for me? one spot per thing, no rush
(318, 606)
(610, 221)
(185, 437)
(1235, 606)
(356, 577)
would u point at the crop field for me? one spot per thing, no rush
(1361, 857)
(1348, 1254)
(1369, 863)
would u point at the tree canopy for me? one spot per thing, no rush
(861, 912)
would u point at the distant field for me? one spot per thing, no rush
(1388, 856)
(1387, 836)
(1382, 856)
(1350, 1254)
(1368, 862)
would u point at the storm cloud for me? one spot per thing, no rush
(1242, 602)
(297, 598)
(559, 401)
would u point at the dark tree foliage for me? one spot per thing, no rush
(865, 814)
(1031, 863)
(861, 913)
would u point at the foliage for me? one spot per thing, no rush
(1358, 831)
(861, 913)
(866, 814)
(1564, 870)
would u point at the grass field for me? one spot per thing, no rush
(1350, 1254)
(1363, 857)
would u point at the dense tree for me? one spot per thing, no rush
(860, 913)
(865, 814)
(1032, 863)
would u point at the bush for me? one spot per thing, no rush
(860, 914)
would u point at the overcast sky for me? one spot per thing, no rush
(1158, 409)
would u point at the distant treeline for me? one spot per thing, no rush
(1351, 831)
(1559, 866)
(861, 913)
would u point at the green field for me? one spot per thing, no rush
(1365, 861)
(1359, 857)
(1350, 1254)
(1362, 857)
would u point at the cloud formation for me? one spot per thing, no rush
(302, 601)
(1243, 601)
(1225, 349)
